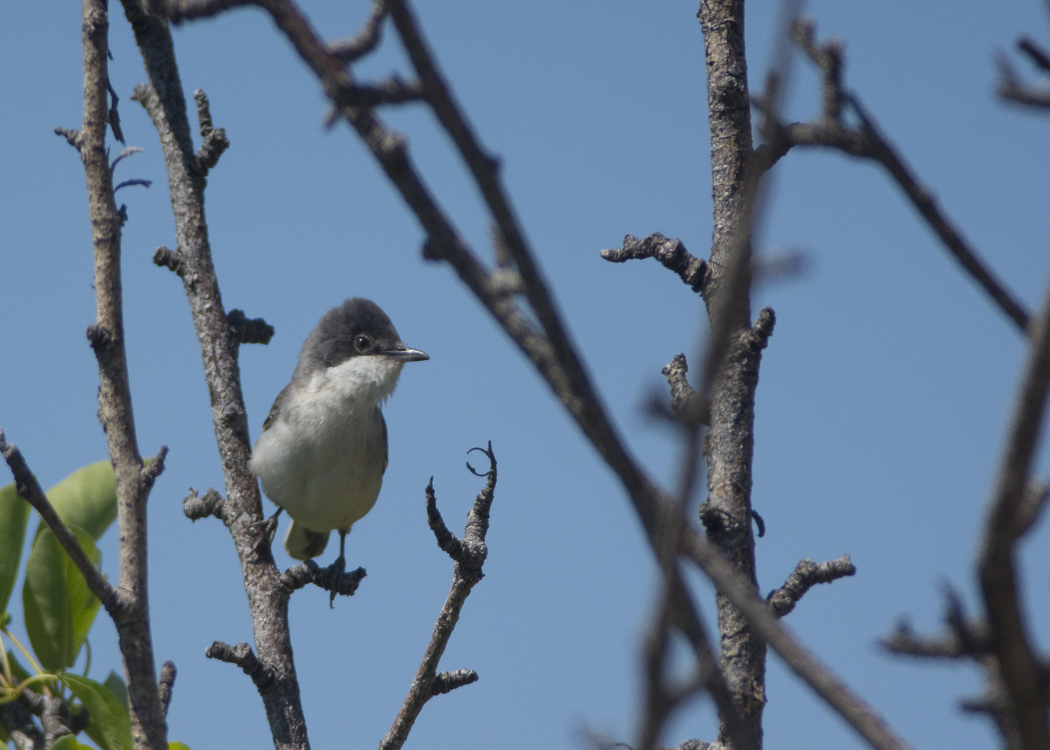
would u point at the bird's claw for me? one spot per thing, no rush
(333, 575)
(267, 530)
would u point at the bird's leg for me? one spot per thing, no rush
(338, 569)
(268, 529)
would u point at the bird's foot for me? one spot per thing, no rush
(335, 573)
(337, 581)
(267, 530)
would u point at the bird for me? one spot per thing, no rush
(323, 448)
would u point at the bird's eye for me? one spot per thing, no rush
(363, 343)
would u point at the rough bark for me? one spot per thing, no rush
(729, 443)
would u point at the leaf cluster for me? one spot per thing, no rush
(59, 612)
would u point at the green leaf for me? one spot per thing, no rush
(14, 517)
(118, 687)
(178, 746)
(20, 673)
(59, 608)
(110, 725)
(69, 742)
(87, 499)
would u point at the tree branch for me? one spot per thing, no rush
(167, 684)
(469, 556)
(367, 39)
(242, 510)
(807, 574)
(332, 579)
(670, 252)
(866, 141)
(1023, 673)
(1011, 88)
(27, 487)
(687, 404)
(243, 656)
(115, 412)
(739, 590)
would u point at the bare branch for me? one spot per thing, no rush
(808, 574)
(1009, 515)
(827, 57)
(170, 259)
(687, 404)
(180, 10)
(165, 102)
(950, 645)
(740, 591)
(212, 504)
(1033, 503)
(114, 115)
(670, 252)
(124, 154)
(72, 136)
(1012, 89)
(106, 336)
(391, 91)
(27, 487)
(446, 682)
(245, 330)
(663, 697)
(214, 140)
(866, 141)
(54, 719)
(469, 554)
(243, 656)
(18, 722)
(133, 181)
(367, 39)
(167, 684)
(1039, 56)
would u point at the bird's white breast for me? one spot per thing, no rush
(322, 459)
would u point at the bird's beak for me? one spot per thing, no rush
(404, 354)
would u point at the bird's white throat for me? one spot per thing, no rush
(367, 379)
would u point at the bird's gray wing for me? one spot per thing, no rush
(386, 452)
(275, 410)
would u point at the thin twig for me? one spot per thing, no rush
(367, 39)
(243, 656)
(168, 673)
(670, 252)
(806, 575)
(687, 403)
(867, 141)
(27, 487)
(469, 556)
(1012, 89)
(740, 591)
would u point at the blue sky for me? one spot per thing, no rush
(881, 405)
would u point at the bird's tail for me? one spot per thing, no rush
(303, 543)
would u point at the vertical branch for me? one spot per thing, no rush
(107, 339)
(267, 597)
(735, 350)
(1023, 670)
